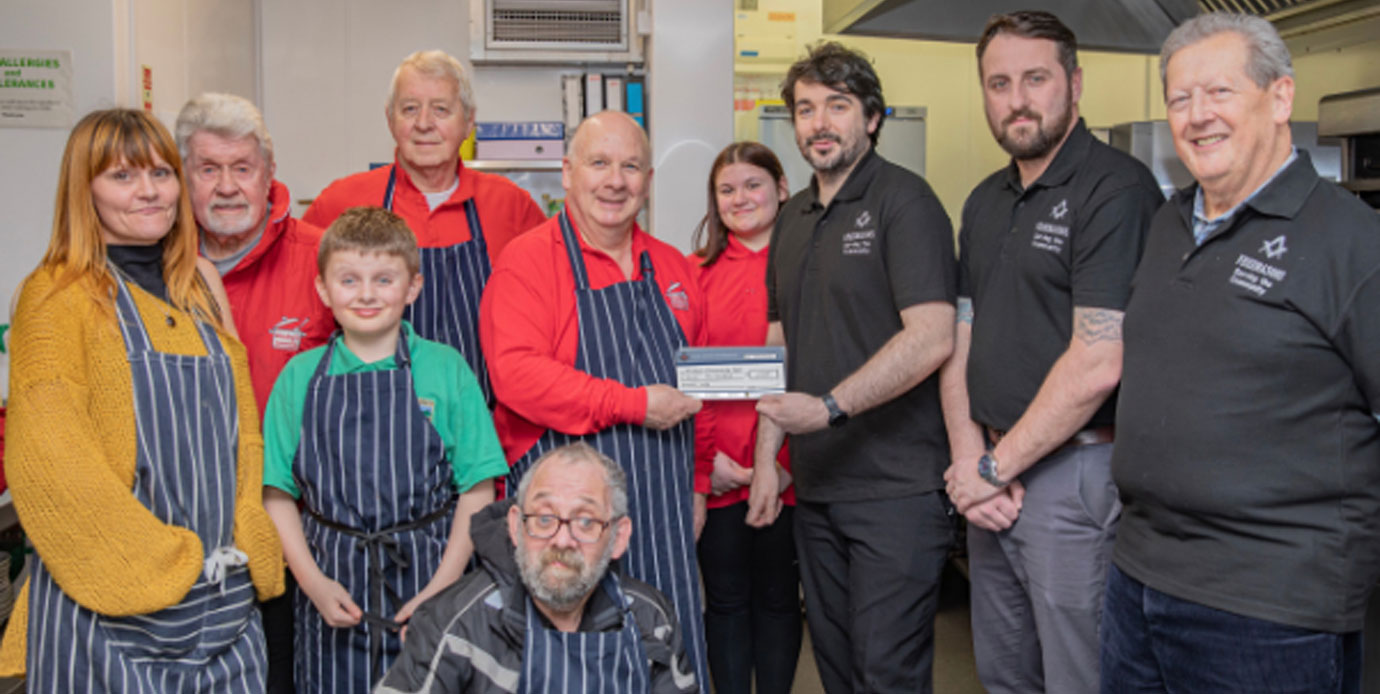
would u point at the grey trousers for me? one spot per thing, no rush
(1037, 587)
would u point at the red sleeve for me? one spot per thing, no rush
(527, 328)
(323, 211)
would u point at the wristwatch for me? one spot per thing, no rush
(987, 470)
(837, 416)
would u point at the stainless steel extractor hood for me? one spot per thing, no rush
(1137, 26)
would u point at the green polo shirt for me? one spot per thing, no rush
(443, 382)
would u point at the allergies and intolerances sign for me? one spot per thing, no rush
(36, 89)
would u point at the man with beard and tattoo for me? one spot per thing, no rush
(860, 288)
(1047, 248)
(546, 612)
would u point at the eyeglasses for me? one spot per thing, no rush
(544, 526)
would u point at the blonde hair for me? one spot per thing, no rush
(368, 229)
(77, 251)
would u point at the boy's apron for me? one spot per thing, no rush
(378, 496)
(447, 310)
(628, 334)
(186, 419)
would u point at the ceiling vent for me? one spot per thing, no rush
(548, 31)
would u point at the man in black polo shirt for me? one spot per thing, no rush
(1248, 451)
(1047, 249)
(860, 287)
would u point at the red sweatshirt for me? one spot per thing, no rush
(273, 297)
(528, 328)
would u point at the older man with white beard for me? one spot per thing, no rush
(266, 258)
(267, 261)
(545, 613)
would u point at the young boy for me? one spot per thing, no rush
(376, 431)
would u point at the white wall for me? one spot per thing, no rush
(192, 45)
(28, 179)
(690, 102)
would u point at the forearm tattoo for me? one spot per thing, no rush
(964, 310)
(1093, 325)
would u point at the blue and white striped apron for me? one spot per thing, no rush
(447, 310)
(187, 440)
(379, 496)
(628, 334)
(557, 662)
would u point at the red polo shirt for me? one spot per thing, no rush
(735, 291)
(528, 327)
(505, 210)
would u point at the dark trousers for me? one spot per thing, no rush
(752, 601)
(277, 616)
(1153, 642)
(871, 575)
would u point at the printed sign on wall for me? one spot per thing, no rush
(36, 89)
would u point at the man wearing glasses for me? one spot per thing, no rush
(545, 612)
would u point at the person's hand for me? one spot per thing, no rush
(764, 496)
(701, 513)
(795, 413)
(667, 407)
(999, 512)
(728, 474)
(966, 487)
(333, 602)
(405, 613)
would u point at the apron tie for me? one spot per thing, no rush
(218, 565)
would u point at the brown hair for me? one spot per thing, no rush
(847, 70)
(1032, 24)
(368, 229)
(76, 249)
(711, 236)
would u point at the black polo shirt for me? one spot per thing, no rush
(1247, 452)
(837, 280)
(1028, 256)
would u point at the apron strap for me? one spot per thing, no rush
(572, 252)
(388, 189)
(476, 229)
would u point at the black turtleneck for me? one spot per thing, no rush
(143, 264)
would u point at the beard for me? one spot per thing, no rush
(844, 156)
(1042, 140)
(223, 225)
(560, 594)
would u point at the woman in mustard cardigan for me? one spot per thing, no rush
(134, 454)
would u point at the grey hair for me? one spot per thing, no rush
(580, 452)
(1268, 59)
(226, 115)
(436, 64)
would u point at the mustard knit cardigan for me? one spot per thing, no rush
(70, 456)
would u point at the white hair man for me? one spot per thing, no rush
(462, 218)
(267, 260)
(1248, 450)
(545, 612)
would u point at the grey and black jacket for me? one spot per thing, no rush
(469, 637)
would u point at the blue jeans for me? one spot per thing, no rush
(1153, 642)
